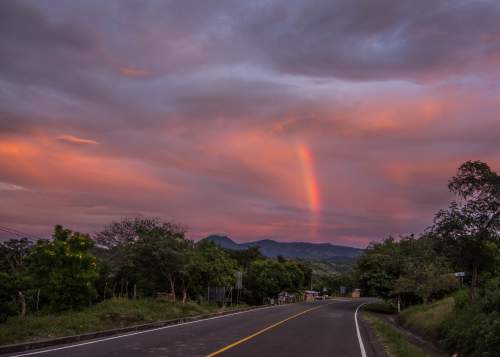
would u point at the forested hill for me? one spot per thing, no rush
(298, 250)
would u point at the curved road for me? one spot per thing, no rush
(323, 328)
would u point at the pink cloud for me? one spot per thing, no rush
(76, 140)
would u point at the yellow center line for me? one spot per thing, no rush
(234, 344)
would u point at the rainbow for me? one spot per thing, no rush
(311, 185)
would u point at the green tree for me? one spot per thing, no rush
(160, 253)
(409, 270)
(245, 257)
(424, 280)
(307, 272)
(64, 269)
(467, 232)
(15, 283)
(296, 276)
(266, 278)
(113, 249)
(379, 267)
(334, 282)
(210, 265)
(142, 255)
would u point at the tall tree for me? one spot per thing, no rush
(210, 266)
(379, 267)
(142, 254)
(468, 231)
(159, 252)
(245, 257)
(267, 278)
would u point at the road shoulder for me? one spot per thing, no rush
(27, 346)
(372, 344)
(395, 339)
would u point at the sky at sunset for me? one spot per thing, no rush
(318, 121)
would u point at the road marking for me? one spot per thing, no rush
(141, 332)
(218, 352)
(360, 340)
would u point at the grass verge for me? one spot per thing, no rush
(109, 314)
(425, 320)
(394, 341)
(381, 307)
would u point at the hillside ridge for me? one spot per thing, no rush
(299, 250)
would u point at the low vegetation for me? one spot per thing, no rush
(474, 327)
(394, 342)
(112, 313)
(382, 307)
(426, 320)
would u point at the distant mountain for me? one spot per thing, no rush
(297, 250)
(225, 242)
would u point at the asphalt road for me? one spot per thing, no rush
(323, 328)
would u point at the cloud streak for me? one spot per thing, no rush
(76, 140)
(5, 186)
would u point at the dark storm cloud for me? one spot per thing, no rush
(78, 48)
(376, 39)
(35, 51)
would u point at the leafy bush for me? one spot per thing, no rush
(474, 328)
(64, 269)
(7, 303)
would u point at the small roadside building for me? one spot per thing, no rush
(356, 293)
(310, 295)
(286, 298)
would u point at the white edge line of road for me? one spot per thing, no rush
(146, 331)
(360, 340)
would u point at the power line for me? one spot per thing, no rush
(18, 233)
(11, 232)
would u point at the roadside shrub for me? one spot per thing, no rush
(474, 328)
(7, 304)
(64, 269)
(426, 319)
